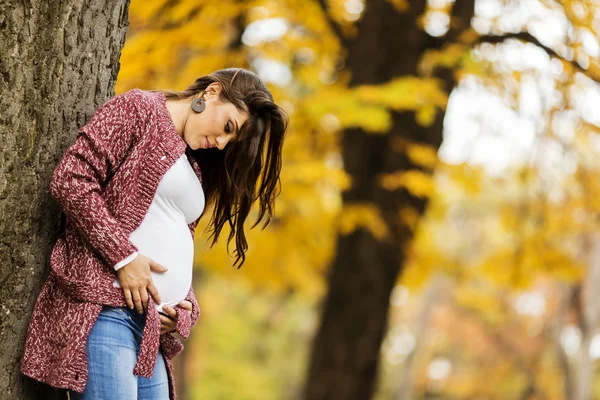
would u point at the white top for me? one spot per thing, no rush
(164, 235)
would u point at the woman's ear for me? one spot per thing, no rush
(214, 89)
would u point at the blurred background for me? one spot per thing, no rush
(437, 233)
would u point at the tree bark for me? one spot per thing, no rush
(346, 350)
(588, 308)
(60, 60)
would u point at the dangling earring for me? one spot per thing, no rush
(198, 105)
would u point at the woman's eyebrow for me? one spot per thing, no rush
(237, 129)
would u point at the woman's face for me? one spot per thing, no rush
(218, 124)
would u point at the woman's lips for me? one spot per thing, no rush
(207, 144)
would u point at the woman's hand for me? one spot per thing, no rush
(136, 281)
(169, 324)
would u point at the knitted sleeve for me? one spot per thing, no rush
(195, 308)
(78, 180)
(185, 321)
(126, 261)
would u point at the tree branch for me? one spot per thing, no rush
(529, 38)
(460, 18)
(332, 24)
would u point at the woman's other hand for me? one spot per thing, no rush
(136, 281)
(169, 323)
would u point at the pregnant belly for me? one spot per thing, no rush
(172, 247)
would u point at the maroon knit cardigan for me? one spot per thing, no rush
(105, 182)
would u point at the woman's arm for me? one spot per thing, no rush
(76, 184)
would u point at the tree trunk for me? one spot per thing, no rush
(345, 355)
(408, 370)
(60, 60)
(588, 311)
(565, 293)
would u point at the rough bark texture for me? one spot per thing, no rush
(59, 62)
(346, 351)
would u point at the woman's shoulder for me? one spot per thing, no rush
(149, 104)
(140, 98)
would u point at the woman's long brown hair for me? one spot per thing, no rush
(248, 168)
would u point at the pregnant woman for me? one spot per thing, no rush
(133, 186)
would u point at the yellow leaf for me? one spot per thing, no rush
(425, 116)
(363, 215)
(415, 181)
(422, 155)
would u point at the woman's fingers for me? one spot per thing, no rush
(137, 301)
(168, 321)
(136, 281)
(171, 311)
(128, 300)
(156, 267)
(167, 324)
(144, 298)
(186, 305)
(153, 292)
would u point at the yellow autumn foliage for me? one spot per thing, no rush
(491, 234)
(362, 215)
(417, 182)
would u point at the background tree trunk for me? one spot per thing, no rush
(407, 373)
(588, 311)
(60, 60)
(346, 350)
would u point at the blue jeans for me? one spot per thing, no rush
(112, 348)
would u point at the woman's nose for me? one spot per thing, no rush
(222, 141)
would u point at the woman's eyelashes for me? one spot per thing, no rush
(229, 129)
